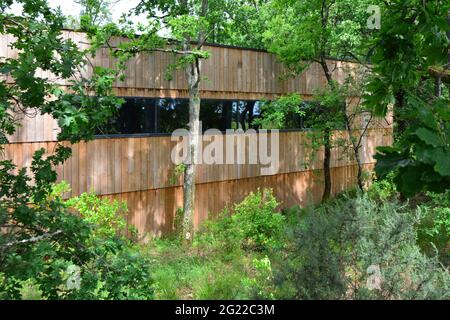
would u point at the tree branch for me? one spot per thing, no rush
(33, 239)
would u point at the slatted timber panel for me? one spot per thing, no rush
(152, 212)
(123, 165)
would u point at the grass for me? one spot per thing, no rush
(188, 273)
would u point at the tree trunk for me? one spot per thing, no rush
(327, 141)
(193, 77)
(356, 145)
(193, 73)
(360, 170)
(326, 165)
(400, 122)
(438, 87)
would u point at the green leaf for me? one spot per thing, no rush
(389, 159)
(409, 180)
(429, 137)
(442, 158)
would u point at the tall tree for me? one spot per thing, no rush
(188, 24)
(98, 11)
(244, 25)
(302, 32)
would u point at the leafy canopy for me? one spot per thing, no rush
(412, 43)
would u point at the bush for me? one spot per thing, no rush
(253, 224)
(258, 221)
(434, 225)
(108, 217)
(229, 257)
(383, 189)
(359, 248)
(48, 252)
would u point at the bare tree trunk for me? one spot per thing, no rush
(327, 141)
(360, 170)
(193, 77)
(326, 165)
(356, 146)
(438, 87)
(193, 72)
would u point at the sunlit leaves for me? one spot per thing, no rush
(278, 113)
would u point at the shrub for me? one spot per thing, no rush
(260, 284)
(362, 249)
(253, 224)
(224, 287)
(107, 216)
(48, 252)
(434, 225)
(229, 257)
(220, 236)
(258, 221)
(383, 189)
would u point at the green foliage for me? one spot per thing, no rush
(235, 245)
(434, 226)
(41, 47)
(94, 11)
(328, 108)
(59, 255)
(280, 113)
(356, 247)
(46, 251)
(419, 158)
(300, 32)
(108, 216)
(177, 173)
(261, 285)
(254, 224)
(411, 42)
(244, 25)
(258, 221)
(383, 189)
(219, 235)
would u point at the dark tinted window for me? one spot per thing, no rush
(215, 114)
(155, 115)
(244, 112)
(172, 114)
(136, 115)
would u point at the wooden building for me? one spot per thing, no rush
(133, 163)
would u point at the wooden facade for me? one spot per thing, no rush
(138, 169)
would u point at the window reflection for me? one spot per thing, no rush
(164, 115)
(172, 114)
